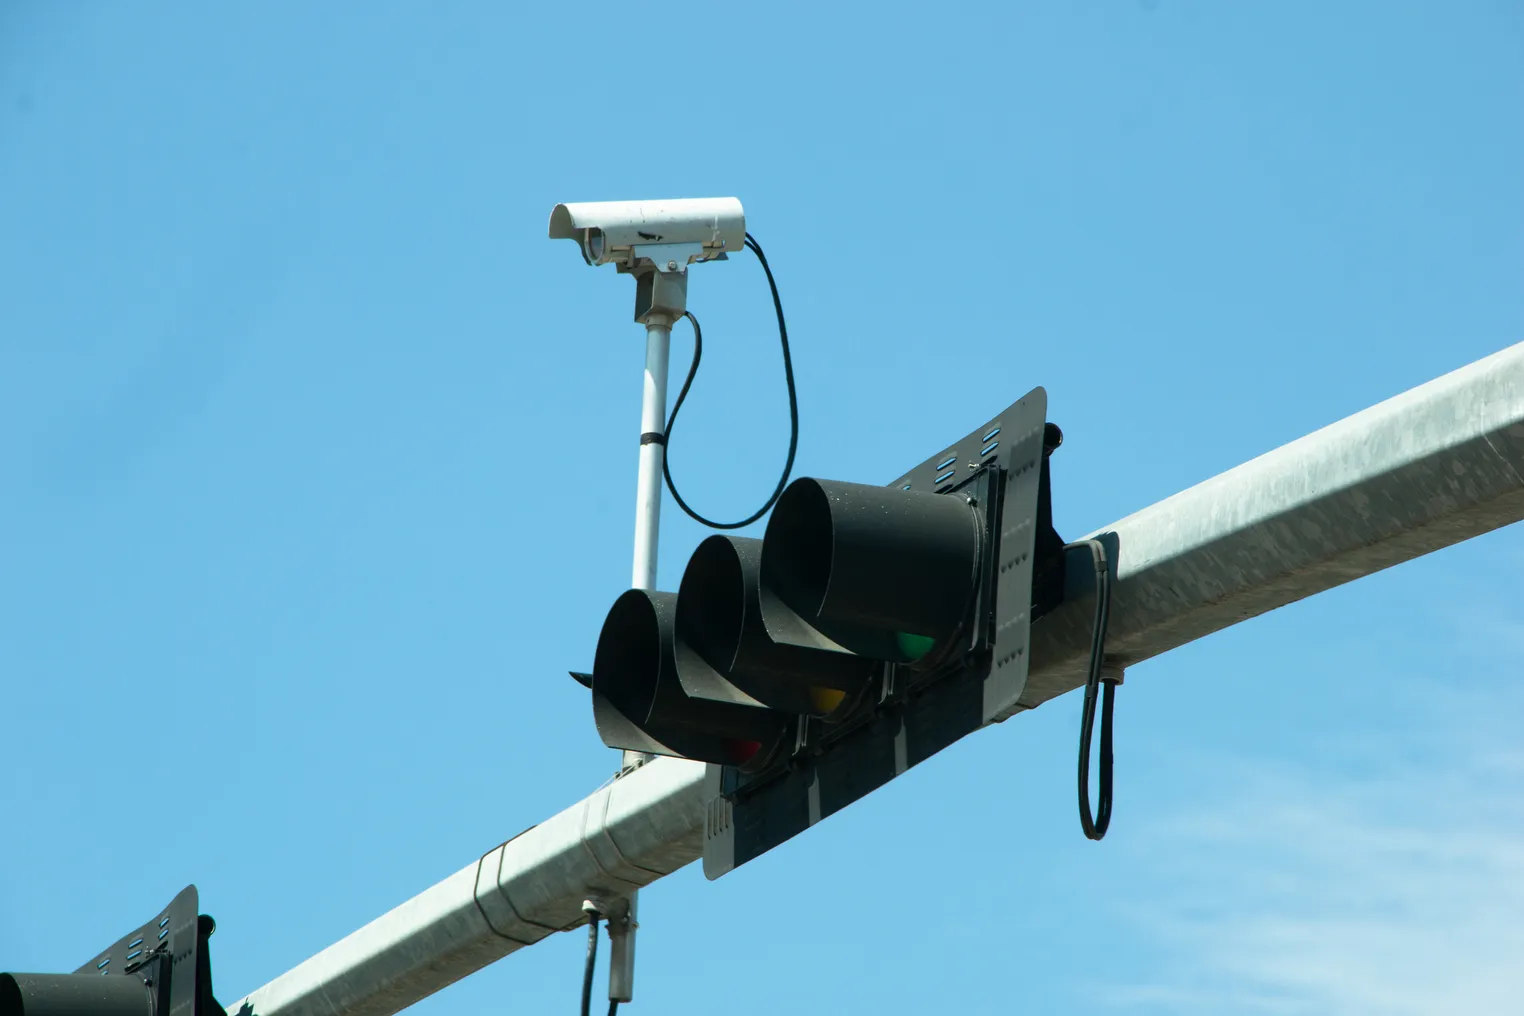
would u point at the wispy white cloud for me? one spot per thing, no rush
(1399, 893)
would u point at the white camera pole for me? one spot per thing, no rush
(655, 241)
(653, 451)
(661, 298)
(667, 302)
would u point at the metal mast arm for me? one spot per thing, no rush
(1434, 466)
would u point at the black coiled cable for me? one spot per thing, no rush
(587, 971)
(793, 406)
(1095, 825)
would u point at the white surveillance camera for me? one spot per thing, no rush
(643, 236)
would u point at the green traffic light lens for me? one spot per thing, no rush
(913, 646)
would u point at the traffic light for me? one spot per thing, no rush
(869, 628)
(161, 969)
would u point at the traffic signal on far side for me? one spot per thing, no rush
(160, 969)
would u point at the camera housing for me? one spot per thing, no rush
(643, 236)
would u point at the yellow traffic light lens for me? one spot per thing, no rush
(827, 700)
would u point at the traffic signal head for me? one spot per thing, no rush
(883, 572)
(735, 626)
(641, 702)
(871, 627)
(160, 968)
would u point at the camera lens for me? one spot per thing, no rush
(594, 244)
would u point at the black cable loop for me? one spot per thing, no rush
(793, 406)
(1095, 826)
(592, 957)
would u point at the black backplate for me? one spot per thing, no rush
(915, 716)
(163, 952)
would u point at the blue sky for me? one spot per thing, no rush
(319, 465)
